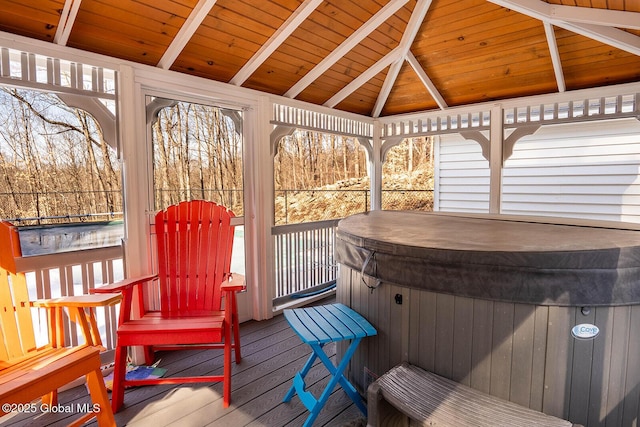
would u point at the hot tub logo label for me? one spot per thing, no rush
(585, 331)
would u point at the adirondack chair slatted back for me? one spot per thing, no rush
(28, 372)
(16, 332)
(194, 242)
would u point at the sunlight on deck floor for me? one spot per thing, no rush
(272, 354)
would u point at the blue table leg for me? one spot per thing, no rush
(337, 376)
(303, 373)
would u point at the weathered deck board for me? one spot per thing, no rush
(272, 354)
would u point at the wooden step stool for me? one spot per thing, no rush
(428, 399)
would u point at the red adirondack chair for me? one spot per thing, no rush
(194, 242)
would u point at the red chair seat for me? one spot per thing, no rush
(155, 330)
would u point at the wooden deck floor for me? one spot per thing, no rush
(272, 354)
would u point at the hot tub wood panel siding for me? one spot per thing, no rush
(520, 352)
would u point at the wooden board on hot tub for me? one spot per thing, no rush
(501, 258)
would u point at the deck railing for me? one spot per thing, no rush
(304, 258)
(60, 207)
(304, 252)
(328, 204)
(74, 273)
(304, 264)
(319, 205)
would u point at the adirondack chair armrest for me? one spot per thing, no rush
(124, 284)
(126, 287)
(236, 284)
(88, 301)
(78, 313)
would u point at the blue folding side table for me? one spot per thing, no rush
(317, 326)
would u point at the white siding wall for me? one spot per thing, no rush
(583, 170)
(461, 176)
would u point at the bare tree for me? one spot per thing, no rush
(59, 159)
(197, 153)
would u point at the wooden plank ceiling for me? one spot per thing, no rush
(373, 57)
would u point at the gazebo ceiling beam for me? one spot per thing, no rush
(360, 34)
(389, 81)
(289, 26)
(426, 81)
(603, 17)
(606, 34)
(555, 56)
(610, 36)
(417, 17)
(67, 19)
(387, 60)
(197, 15)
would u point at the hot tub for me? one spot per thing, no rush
(539, 311)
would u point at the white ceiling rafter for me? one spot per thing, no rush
(190, 26)
(387, 60)
(603, 33)
(361, 33)
(289, 26)
(555, 56)
(607, 35)
(426, 81)
(67, 19)
(417, 17)
(389, 81)
(604, 17)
